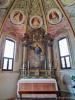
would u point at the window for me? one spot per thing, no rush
(64, 53)
(8, 56)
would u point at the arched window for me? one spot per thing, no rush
(64, 53)
(8, 56)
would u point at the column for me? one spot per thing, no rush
(24, 59)
(49, 57)
(24, 55)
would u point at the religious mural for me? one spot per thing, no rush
(36, 22)
(54, 16)
(4, 3)
(34, 9)
(68, 2)
(69, 7)
(17, 17)
(16, 23)
(37, 56)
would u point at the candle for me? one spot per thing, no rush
(23, 66)
(45, 63)
(28, 64)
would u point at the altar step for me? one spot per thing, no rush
(37, 99)
(59, 98)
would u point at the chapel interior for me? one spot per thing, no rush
(37, 49)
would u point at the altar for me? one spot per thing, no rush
(37, 88)
(37, 72)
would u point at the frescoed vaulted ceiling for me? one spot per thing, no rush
(69, 7)
(19, 17)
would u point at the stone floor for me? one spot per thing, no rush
(60, 98)
(38, 99)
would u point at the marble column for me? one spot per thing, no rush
(24, 55)
(24, 59)
(49, 55)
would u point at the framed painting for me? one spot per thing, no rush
(37, 56)
(4, 3)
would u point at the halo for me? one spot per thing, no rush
(68, 2)
(54, 18)
(4, 5)
(36, 22)
(17, 17)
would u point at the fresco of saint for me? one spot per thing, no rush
(35, 22)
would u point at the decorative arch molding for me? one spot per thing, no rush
(6, 17)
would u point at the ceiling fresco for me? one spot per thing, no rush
(69, 7)
(4, 3)
(19, 17)
(68, 2)
(4, 8)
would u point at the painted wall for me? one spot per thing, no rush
(8, 84)
(8, 79)
(61, 72)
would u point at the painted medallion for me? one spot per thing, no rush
(17, 17)
(54, 16)
(36, 22)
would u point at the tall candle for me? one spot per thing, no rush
(45, 63)
(28, 64)
(23, 66)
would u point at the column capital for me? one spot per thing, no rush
(50, 43)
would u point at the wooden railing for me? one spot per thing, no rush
(46, 73)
